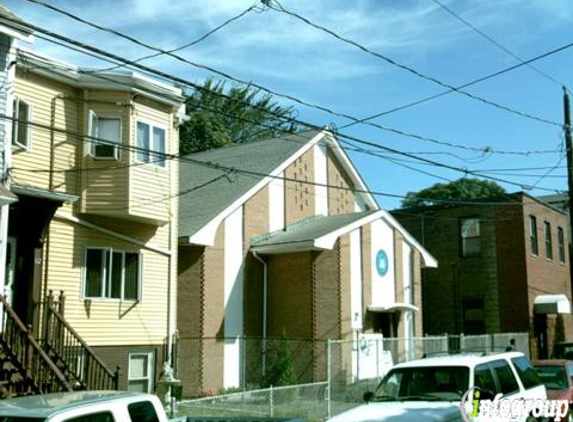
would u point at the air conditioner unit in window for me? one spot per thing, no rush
(105, 151)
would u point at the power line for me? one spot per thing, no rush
(496, 43)
(192, 43)
(259, 87)
(280, 8)
(227, 169)
(184, 82)
(465, 85)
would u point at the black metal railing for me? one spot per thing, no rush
(34, 371)
(81, 366)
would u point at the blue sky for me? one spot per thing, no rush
(279, 52)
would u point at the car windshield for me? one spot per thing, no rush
(554, 377)
(19, 419)
(443, 383)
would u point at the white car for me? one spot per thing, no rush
(84, 406)
(432, 389)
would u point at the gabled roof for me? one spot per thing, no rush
(321, 232)
(215, 192)
(314, 233)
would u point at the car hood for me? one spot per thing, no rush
(410, 411)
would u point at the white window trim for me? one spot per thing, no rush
(104, 298)
(153, 159)
(15, 112)
(150, 370)
(92, 143)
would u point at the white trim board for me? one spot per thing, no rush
(206, 235)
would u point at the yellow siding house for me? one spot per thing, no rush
(94, 228)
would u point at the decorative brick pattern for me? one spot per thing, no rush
(299, 197)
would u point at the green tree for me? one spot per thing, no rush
(218, 117)
(282, 369)
(463, 189)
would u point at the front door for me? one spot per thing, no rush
(10, 270)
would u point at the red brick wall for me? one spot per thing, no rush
(290, 295)
(190, 296)
(214, 311)
(119, 355)
(545, 276)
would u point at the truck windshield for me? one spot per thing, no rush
(444, 383)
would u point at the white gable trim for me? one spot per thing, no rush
(206, 235)
(427, 257)
(14, 33)
(354, 175)
(327, 241)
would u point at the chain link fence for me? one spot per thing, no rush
(306, 401)
(306, 378)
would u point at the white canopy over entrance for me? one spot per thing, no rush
(551, 304)
(393, 307)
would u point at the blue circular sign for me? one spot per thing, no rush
(381, 263)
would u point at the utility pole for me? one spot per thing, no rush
(569, 150)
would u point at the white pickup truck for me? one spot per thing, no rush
(84, 406)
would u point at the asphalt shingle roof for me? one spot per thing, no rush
(309, 229)
(210, 192)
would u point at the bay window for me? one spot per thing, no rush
(151, 144)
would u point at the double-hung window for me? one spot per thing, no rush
(533, 235)
(105, 134)
(112, 274)
(21, 128)
(561, 239)
(548, 242)
(140, 376)
(151, 144)
(470, 237)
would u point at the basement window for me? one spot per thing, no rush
(140, 376)
(21, 128)
(112, 274)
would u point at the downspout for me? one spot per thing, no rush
(265, 289)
